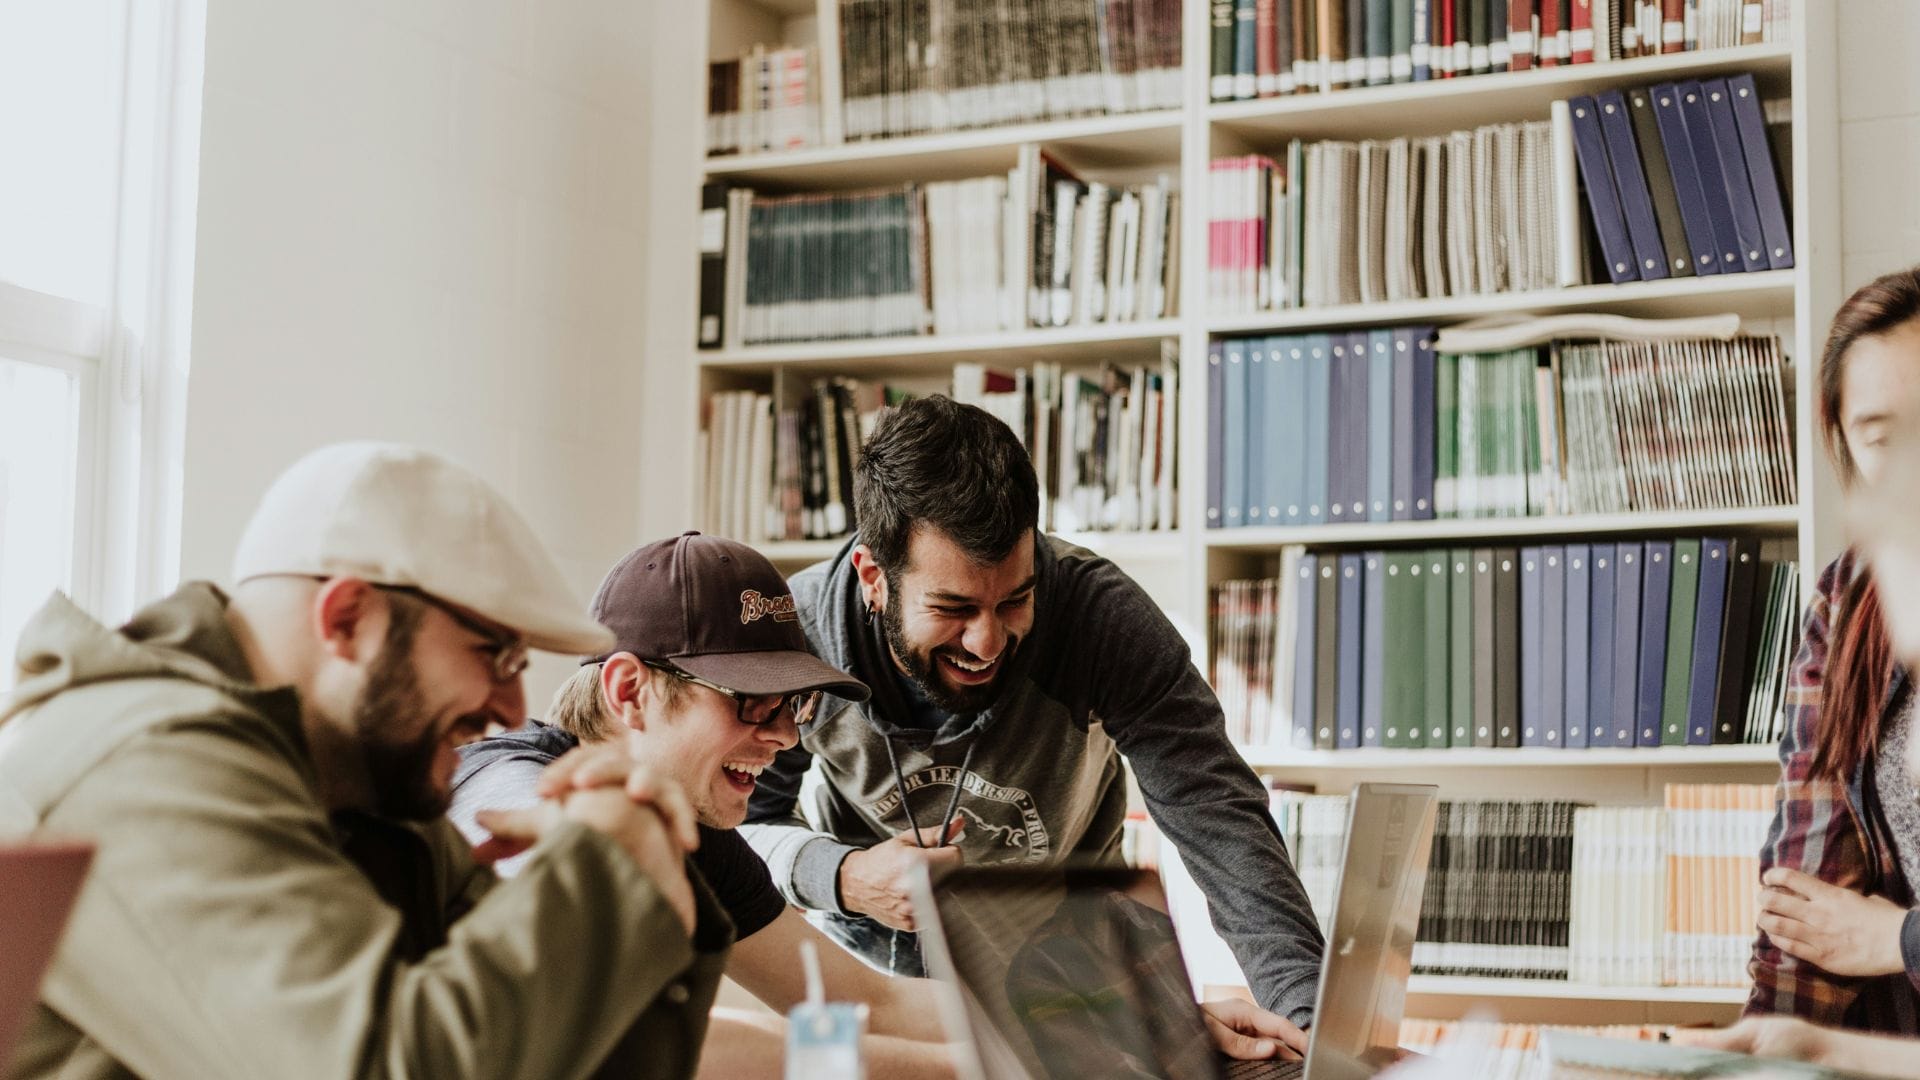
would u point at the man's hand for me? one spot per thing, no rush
(639, 830)
(586, 767)
(1244, 1030)
(1838, 929)
(875, 882)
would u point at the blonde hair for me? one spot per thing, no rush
(580, 709)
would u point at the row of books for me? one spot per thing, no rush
(1468, 213)
(1574, 646)
(1611, 896)
(1266, 48)
(1376, 425)
(916, 66)
(1037, 247)
(1680, 179)
(764, 99)
(1505, 1051)
(785, 472)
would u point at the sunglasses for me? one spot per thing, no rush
(754, 710)
(506, 653)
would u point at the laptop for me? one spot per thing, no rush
(1053, 972)
(39, 882)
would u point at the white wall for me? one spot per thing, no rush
(423, 221)
(1879, 138)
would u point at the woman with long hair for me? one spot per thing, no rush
(1839, 941)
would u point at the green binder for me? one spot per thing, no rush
(1686, 585)
(1435, 703)
(1404, 678)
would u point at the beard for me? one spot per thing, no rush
(398, 740)
(925, 669)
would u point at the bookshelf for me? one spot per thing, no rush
(1181, 565)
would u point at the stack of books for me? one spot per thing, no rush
(1574, 646)
(1680, 179)
(1037, 247)
(766, 99)
(1265, 48)
(1609, 896)
(1375, 425)
(916, 66)
(1506, 1051)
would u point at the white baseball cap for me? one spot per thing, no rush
(391, 514)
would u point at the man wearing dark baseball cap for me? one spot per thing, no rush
(709, 678)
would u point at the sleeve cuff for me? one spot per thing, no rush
(816, 874)
(1910, 945)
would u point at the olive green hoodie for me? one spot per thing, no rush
(224, 933)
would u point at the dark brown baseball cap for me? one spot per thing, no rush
(718, 609)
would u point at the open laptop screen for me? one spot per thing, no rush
(1072, 973)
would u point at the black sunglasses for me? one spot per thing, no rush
(754, 710)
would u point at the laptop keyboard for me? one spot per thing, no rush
(1268, 1069)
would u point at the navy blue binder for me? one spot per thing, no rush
(1216, 431)
(1656, 581)
(1403, 433)
(1233, 494)
(1628, 560)
(1578, 625)
(1602, 605)
(1696, 216)
(1603, 199)
(1319, 428)
(1713, 182)
(1709, 623)
(1352, 617)
(1532, 721)
(1303, 657)
(1767, 197)
(1733, 172)
(1373, 657)
(1553, 653)
(1424, 421)
(1630, 183)
(1380, 386)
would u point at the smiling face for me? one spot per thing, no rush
(953, 624)
(430, 690)
(700, 741)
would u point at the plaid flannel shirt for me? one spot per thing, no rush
(1836, 832)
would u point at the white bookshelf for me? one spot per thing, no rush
(1183, 563)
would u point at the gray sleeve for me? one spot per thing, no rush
(1142, 685)
(805, 863)
(1910, 946)
(503, 785)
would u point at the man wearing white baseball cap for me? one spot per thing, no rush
(277, 891)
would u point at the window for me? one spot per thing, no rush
(99, 126)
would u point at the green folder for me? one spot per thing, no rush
(1686, 585)
(1434, 703)
(1404, 680)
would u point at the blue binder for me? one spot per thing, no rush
(1373, 657)
(1602, 606)
(1656, 581)
(1553, 636)
(1359, 442)
(1318, 427)
(1532, 721)
(1767, 196)
(1603, 199)
(1628, 561)
(1575, 692)
(1733, 172)
(1305, 616)
(1630, 183)
(1285, 435)
(1424, 421)
(1216, 431)
(1404, 433)
(1350, 619)
(1233, 495)
(1709, 621)
(1380, 383)
(1696, 215)
(1713, 183)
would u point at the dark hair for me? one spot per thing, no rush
(948, 466)
(1861, 659)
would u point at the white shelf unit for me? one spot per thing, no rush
(1179, 566)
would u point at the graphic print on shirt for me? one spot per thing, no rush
(1003, 825)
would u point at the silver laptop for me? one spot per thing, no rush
(1053, 972)
(39, 882)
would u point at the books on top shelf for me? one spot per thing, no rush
(1377, 425)
(1266, 48)
(915, 66)
(1601, 896)
(765, 99)
(1102, 444)
(1643, 643)
(1037, 247)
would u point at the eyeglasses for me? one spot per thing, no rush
(754, 710)
(507, 655)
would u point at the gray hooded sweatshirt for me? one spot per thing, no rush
(1101, 674)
